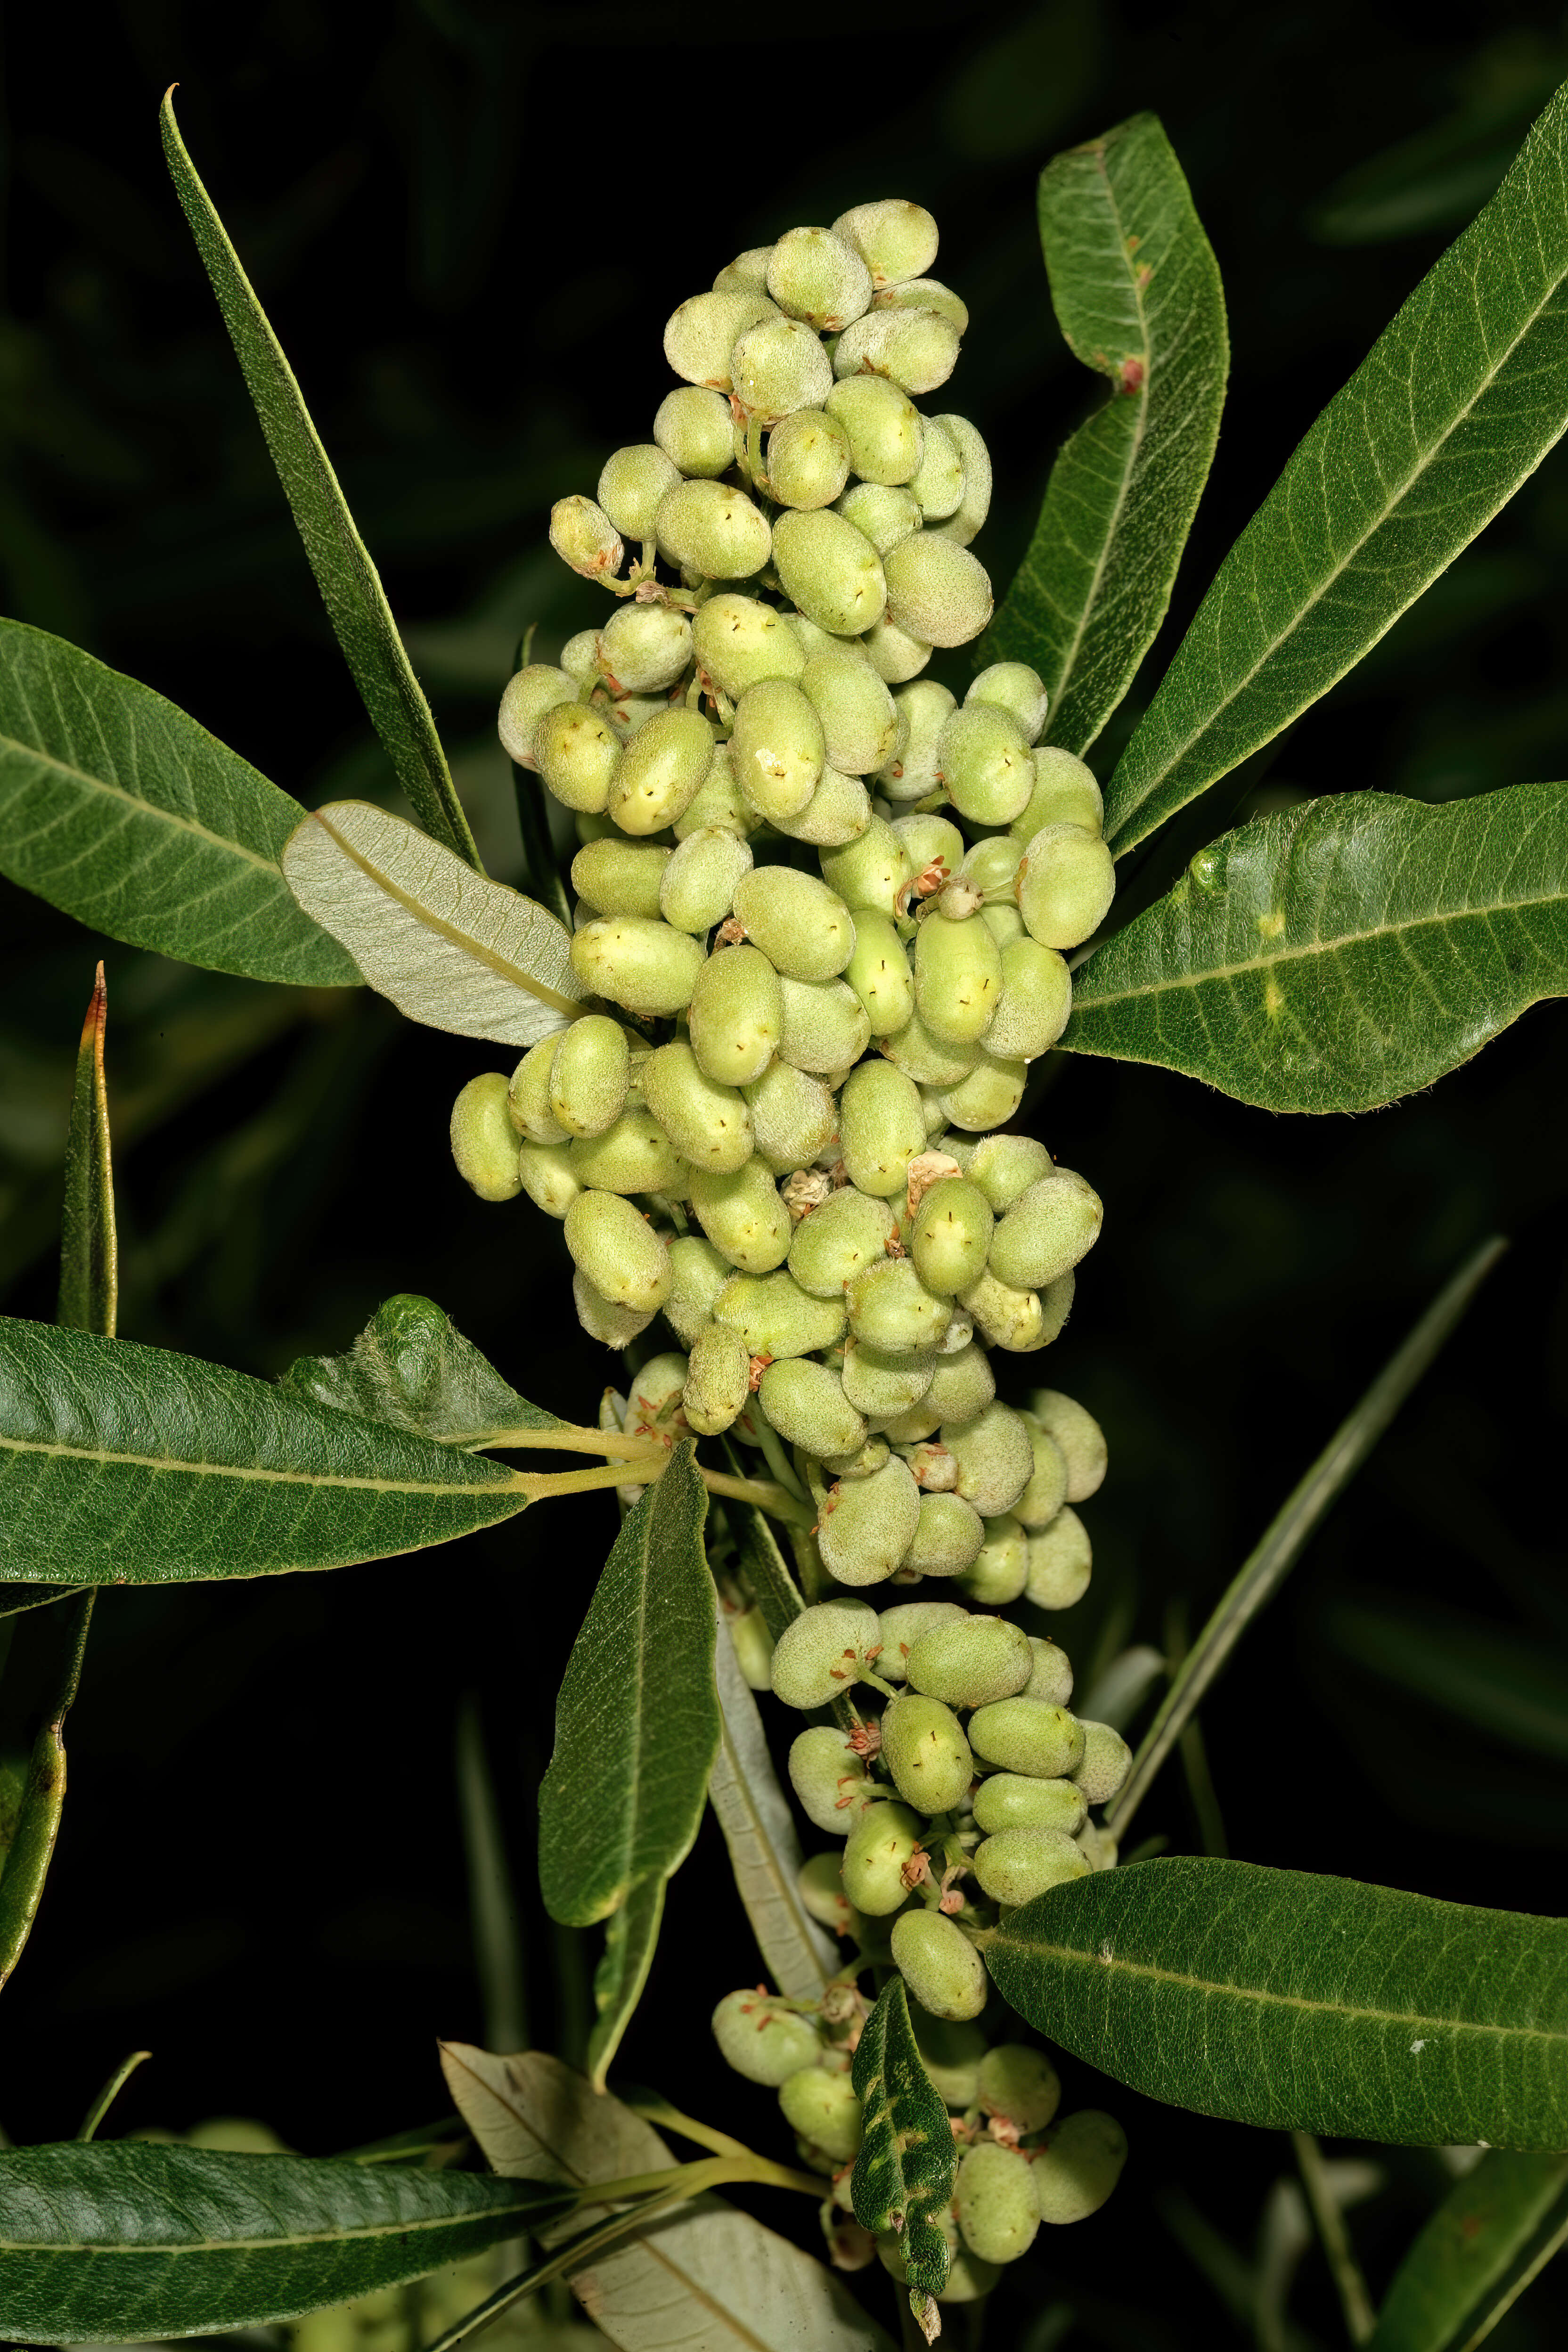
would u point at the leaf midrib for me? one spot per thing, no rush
(336, 2235)
(177, 1465)
(49, 759)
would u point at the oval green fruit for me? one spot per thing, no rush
(973, 1663)
(940, 1965)
(761, 2041)
(1079, 2165)
(820, 1653)
(924, 1749)
(994, 2198)
(484, 1141)
(1019, 1735)
(1012, 1800)
(880, 1847)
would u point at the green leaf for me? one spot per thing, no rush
(904, 2174)
(1456, 404)
(120, 810)
(779, 1597)
(759, 1830)
(90, 1262)
(1341, 954)
(705, 2275)
(121, 2240)
(25, 1864)
(448, 946)
(631, 1939)
(412, 1368)
(1274, 1998)
(121, 1464)
(1137, 294)
(1264, 1568)
(350, 584)
(1497, 2228)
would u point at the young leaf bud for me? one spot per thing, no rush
(697, 1274)
(1079, 2165)
(644, 965)
(820, 1886)
(986, 763)
(719, 802)
(1037, 998)
(901, 1628)
(883, 512)
(937, 1961)
(1011, 1801)
(588, 1075)
(878, 972)
(779, 367)
(777, 749)
(820, 1653)
(635, 1155)
(739, 642)
(1107, 1761)
(859, 723)
(631, 486)
(1051, 1681)
(577, 752)
(987, 1096)
(881, 1843)
(805, 1402)
(659, 771)
(886, 435)
(645, 647)
(807, 459)
(939, 484)
(1046, 1230)
(865, 1526)
(972, 1663)
(618, 1250)
(583, 537)
(976, 503)
(804, 929)
(718, 1379)
(1079, 1436)
(893, 653)
(870, 873)
(897, 240)
(890, 1308)
(527, 1094)
(712, 527)
(1019, 1735)
(994, 1456)
(816, 276)
(709, 1124)
(823, 2108)
(1066, 884)
(747, 272)
(696, 432)
(830, 569)
(775, 1317)
(882, 1387)
(698, 883)
(948, 1537)
(1046, 1491)
(824, 1027)
(925, 1750)
(484, 1141)
(839, 811)
(998, 2212)
(1002, 1570)
(830, 1780)
(548, 1176)
(793, 1115)
(699, 336)
(1018, 689)
(744, 1216)
(912, 774)
(958, 980)
(881, 1128)
(848, 1232)
(605, 1320)
(736, 1015)
(763, 2042)
(950, 1235)
(916, 349)
(528, 695)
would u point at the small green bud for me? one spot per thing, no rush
(865, 1526)
(816, 276)
(986, 763)
(548, 1176)
(747, 272)
(885, 428)
(700, 335)
(925, 1750)
(583, 537)
(1037, 998)
(527, 1094)
(998, 2212)
(484, 1141)
(951, 1235)
(719, 801)
(528, 695)
(1046, 1230)
(778, 367)
(1019, 1735)
(763, 2042)
(654, 1398)
(830, 569)
(743, 1216)
(1018, 689)
(937, 1961)
(878, 972)
(845, 1233)
(644, 648)
(987, 1096)
(615, 1249)
(859, 723)
(1012, 1800)
(699, 881)
(631, 486)
(605, 1320)
(893, 653)
(739, 642)
(971, 1663)
(1079, 1436)
(976, 503)
(807, 459)
(839, 811)
(776, 1317)
(896, 239)
(714, 529)
(824, 2109)
(958, 980)
(1066, 884)
(901, 1628)
(870, 873)
(882, 1842)
(1046, 1491)
(635, 1155)
(718, 1379)
(1064, 792)
(805, 1402)
(697, 1274)
(696, 431)
(1002, 1570)
(1079, 2165)
(820, 1653)
(890, 1308)
(617, 877)
(660, 771)
(778, 747)
(924, 294)
(709, 1124)
(912, 774)
(1051, 1681)
(947, 1538)
(830, 1780)
(736, 1015)
(914, 349)
(880, 1386)
(588, 1075)
(1107, 1761)
(644, 965)
(994, 1456)
(881, 1128)
(804, 929)
(793, 1115)
(824, 1027)
(820, 1886)
(939, 484)
(883, 512)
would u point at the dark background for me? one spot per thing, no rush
(468, 223)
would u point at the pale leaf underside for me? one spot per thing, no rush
(759, 1830)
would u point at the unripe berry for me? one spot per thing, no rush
(580, 657)
(870, 1456)
(883, 512)
(699, 336)
(925, 1750)
(588, 1074)
(814, 275)
(821, 1889)
(635, 1155)
(583, 537)
(776, 1317)
(605, 1320)
(1051, 1681)
(618, 1250)
(869, 874)
(893, 653)
(1018, 689)
(1037, 998)
(719, 801)
(1019, 1735)
(697, 1274)
(1046, 1230)
(528, 695)
(709, 1124)
(847, 1231)
(548, 1176)
(1066, 884)
(765, 2043)
(951, 1235)
(878, 972)
(1004, 1166)
(839, 811)
(527, 1094)
(1012, 1800)
(1046, 1491)
(1107, 1761)
(1079, 1436)
(793, 1115)
(484, 1141)
(986, 1095)
(577, 752)
(698, 883)
(896, 239)
(1064, 792)
(952, 2054)
(882, 1842)
(823, 2108)
(712, 527)
(860, 724)
(924, 294)
(963, 1383)
(696, 431)
(749, 270)
(1013, 1319)
(628, 714)
(939, 484)
(915, 349)
(972, 1663)
(612, 876)
(739, 642)
(1002, 1570)
(645, 647)
(886, 435)
(644, 965)
(778, 367)
(993, 1457)
(901, 1627)
(998, 2212)
(718, 1379)
(912, 774)
(938, 1963)
(1097, 1845)
(830, 1780)
(1079, 2165)
(805, 1402)
(820, 1653)
(986, 763)
(948, 1537)
(807, 459)
(830, 569)
(881, 1128)
(865, 1526)
(660, 771)
(802, 927)
(736, 1015)
(890, 1308)
(882, 1386)
(937, 591)
(1017, 1865)
(976, 503)
(1020, 2085)
(958, 979)
(654, 1403)
(824, 1027)
(631, 486)
(744, 1216)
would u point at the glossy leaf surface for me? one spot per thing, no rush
(89, 1257)
(120, 810)
(1498, 2227)
(1456, 404)
(1137, 295)
(350, 584)
(1279, 1998)
(121, 1464)
(412, 1368)
(908, 2162)
(759, 1830)
(1341, 954)
(449, 947)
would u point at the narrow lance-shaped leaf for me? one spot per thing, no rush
(1339, 955)
(1137, 294)
(448, 946)
(27, 1859)
(1456, 404)
(120, 810)
(90, 1262)
(1271, 1996)
(904, 2173)
(631, 1939)
(350, 584)
(122, 2241)
(1497, 2228)
(759, 1831)
(412, 1368)
(121, 1464)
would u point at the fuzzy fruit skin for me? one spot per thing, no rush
(1106, 1762)
(824, 2109)
(819, 1655)
(1079, 2165)
(1020, 2083)
(881, 1129)
(901, 1627)
(765, 2043)
(879, 1846)
(614, 1247)
(484, 1141)
(805, 1402)
(709, 1124)
(1014, 1865)
(1079, 1437)
(974, 1663)
(1019, 1735)
(865, 1526)
(940, 1965)
(735, 1018)
(645, 965)
(830, 1781)
(998, 2211)
(925, 1750)
(718, 1379)
(1060, 1558)
(1012, 1800)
